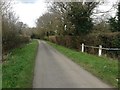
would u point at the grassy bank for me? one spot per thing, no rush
(18, 68)
(104, 68)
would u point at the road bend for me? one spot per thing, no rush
(54, 70)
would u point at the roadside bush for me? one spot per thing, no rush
(11, 36)
(107, 40)
(111, 40)
(11, 42)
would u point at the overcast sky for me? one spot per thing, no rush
(29, 10)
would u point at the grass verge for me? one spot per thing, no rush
(18, 68)
(102, 67)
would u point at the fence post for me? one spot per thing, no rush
(100, 50)
(82, 47)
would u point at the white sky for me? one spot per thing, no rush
(29, 10)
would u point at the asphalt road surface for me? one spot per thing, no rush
(54, 70)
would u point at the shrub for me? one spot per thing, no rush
(107, 40)
(11, 42)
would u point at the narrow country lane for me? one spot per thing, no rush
(54, 70)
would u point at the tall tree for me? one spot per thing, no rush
(115, 21)
(118, 15)
(80, 15)
(11, 27)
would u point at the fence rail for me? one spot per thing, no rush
(100, 48)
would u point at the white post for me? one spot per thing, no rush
(84, 2)
(100, 50)
(82, 47)
(65, 27)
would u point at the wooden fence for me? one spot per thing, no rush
(100, 48)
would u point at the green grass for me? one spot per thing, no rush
(0, 76)
(19, 66)
(102, 67)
